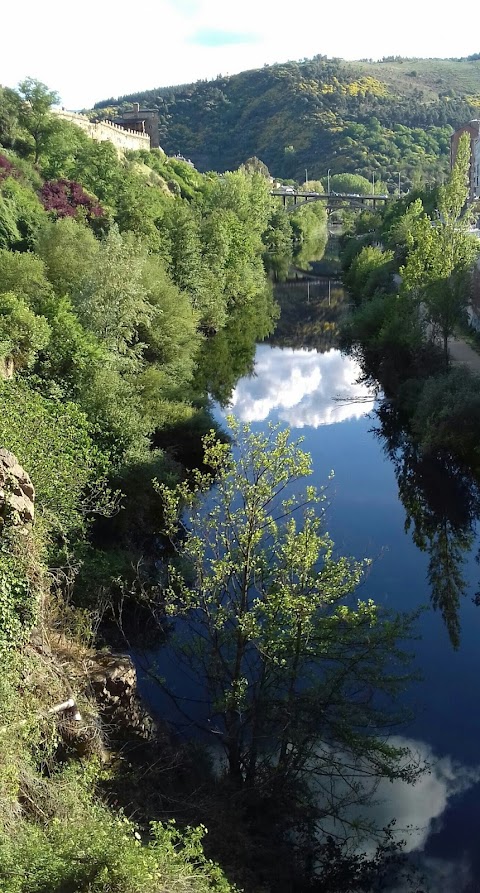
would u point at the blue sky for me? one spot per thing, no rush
(99, 48)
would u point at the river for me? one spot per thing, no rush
(317, 396)
(417, 520)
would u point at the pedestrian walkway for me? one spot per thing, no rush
(461, 352)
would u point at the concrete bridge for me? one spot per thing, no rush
(331, 200)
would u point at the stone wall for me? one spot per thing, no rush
(121, 137)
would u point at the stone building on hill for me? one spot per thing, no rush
(142, 121)
(135, 129)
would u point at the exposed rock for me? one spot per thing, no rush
(7, 368)
(113, 679)
(17, 493)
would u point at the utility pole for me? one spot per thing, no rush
(373, 182)
(306, 176)
(399, 191)
(328, 181)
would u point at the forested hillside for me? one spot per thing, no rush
(364, 117)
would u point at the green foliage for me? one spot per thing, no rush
(21, 215)
(170, 336)
(51, 441)
(278, 241)
(371, 269)
(9, 107)
(85, 848)
(22, 333)
(9, 233)
(447, 415)
(140, 208)
(18, 599)
(70, 253)
(74, 355)
(110, 300)
(34, 113)
(98, 168)
(352, 183)
(24, 274)
(441, 253)
(59, 155)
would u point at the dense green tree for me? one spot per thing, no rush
(170, 333)
(24, 273)
(25, 211)
(9, 233)
(278, 241)
(9, 108)
(98, 168)
(22, 333)
(246, 194)
(140, 208)
(111, 300)
(350, 183)
(441, 254)
(69, 251)
(74, 356)
(182, 226)
(59, 155)
(34, 113)
(255, 164)
(371, 267)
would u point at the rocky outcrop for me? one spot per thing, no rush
(113, 679)
(7, 368)
(17, 493)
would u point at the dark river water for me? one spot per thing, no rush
(317, 396)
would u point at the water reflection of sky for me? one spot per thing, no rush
(302, 389)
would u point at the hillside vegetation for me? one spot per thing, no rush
(364, 117)
(132, 287)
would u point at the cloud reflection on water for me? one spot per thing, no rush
(419, 811)
(421, 806)
(301, 387)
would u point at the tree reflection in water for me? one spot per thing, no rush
(442, 505)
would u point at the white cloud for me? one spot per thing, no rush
(301, 388)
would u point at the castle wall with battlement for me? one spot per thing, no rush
(121, 137)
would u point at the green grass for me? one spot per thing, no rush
(433, 76)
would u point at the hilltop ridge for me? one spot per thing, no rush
(321, 113)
